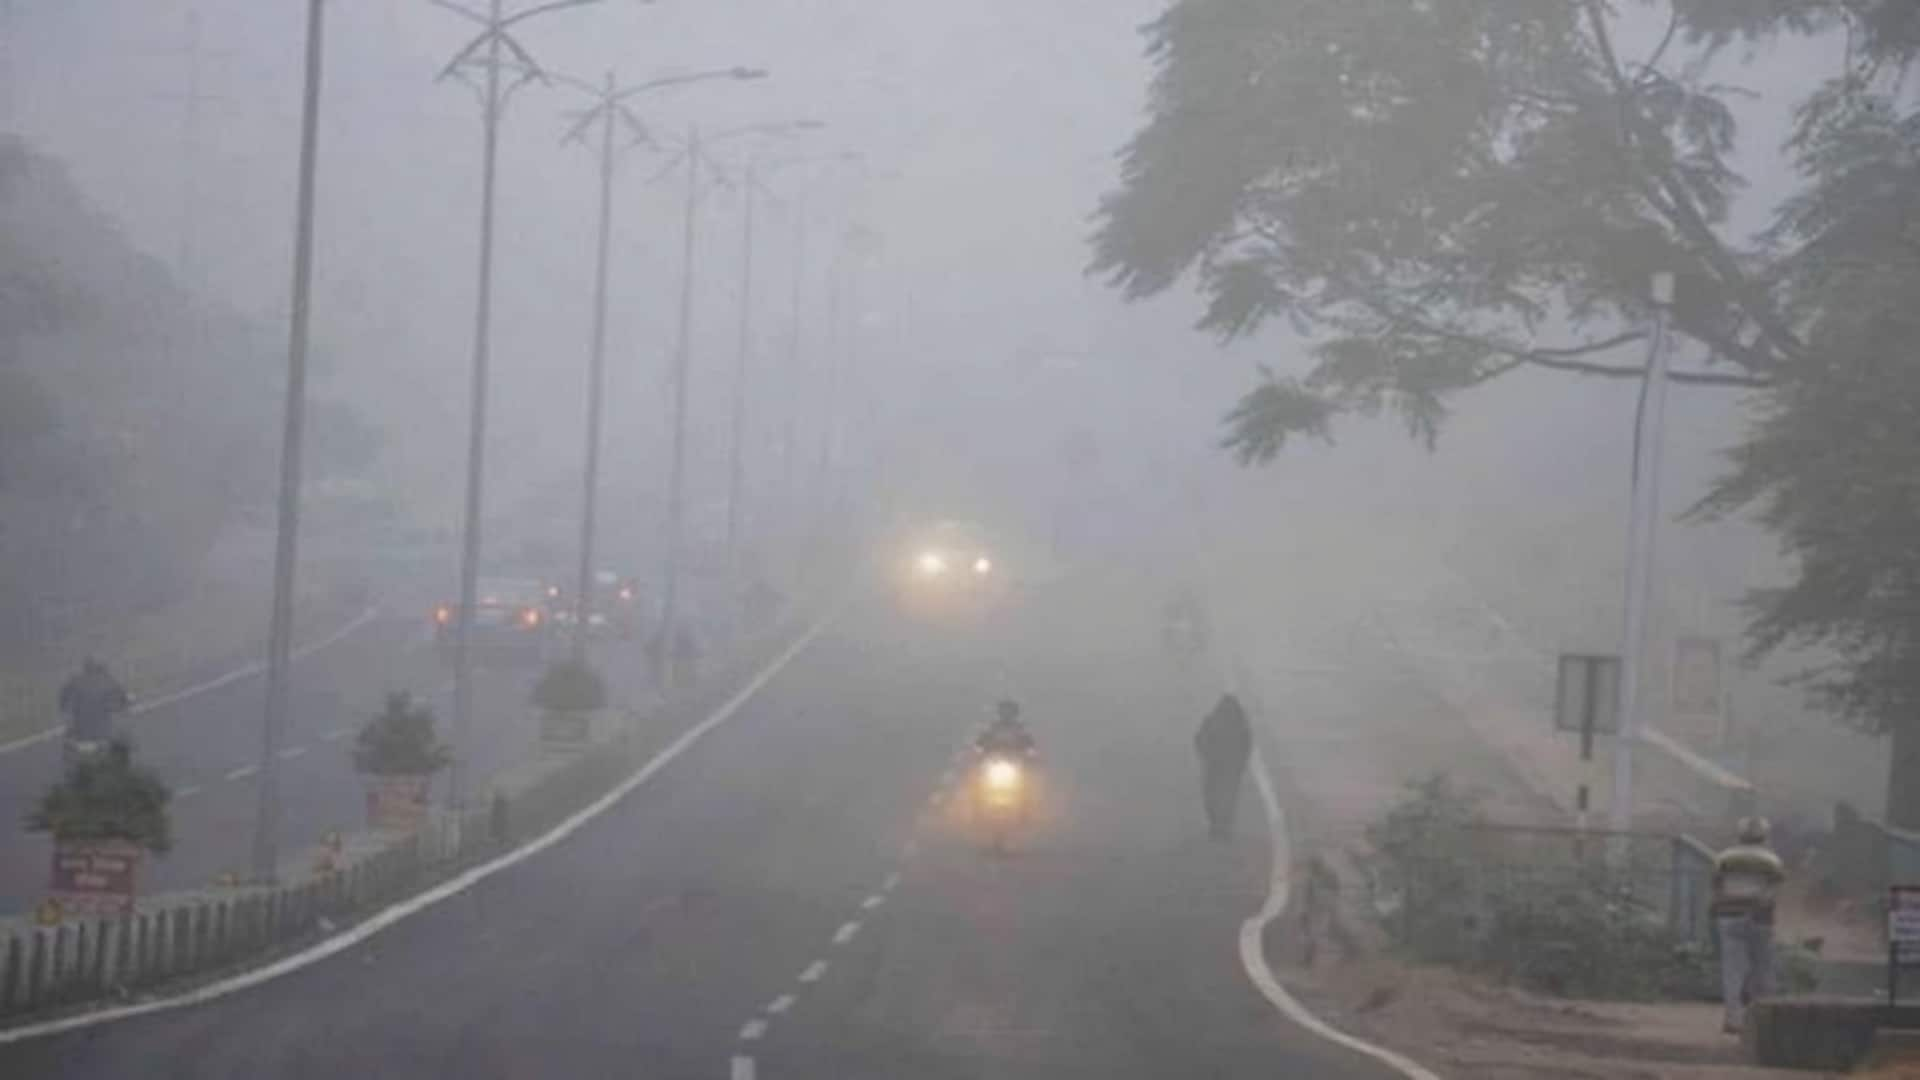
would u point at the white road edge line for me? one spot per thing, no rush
(743, 1068)
(814, 971)
(845, 933)
(1253, 954)
(147, 705)
(780, 1004)
(451, 887)
(752, 1030)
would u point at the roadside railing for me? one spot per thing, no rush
(84, 962)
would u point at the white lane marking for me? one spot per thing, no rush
(872, 902)
(187, 792)
(292, 752)
(742, 1068)
(811, 975)
(892, 882)
(243, 772)
(752, 1030)
(780, 1004)
(337, 734)
(845, 933)
(451, 887)
(1253, 955)
(147, 705)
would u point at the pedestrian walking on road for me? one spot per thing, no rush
(1746, 879)
(1224, 743)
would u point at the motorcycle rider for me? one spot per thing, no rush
(1007, 735)
(91, 699)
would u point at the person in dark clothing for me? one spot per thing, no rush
(1224, 743)
(90, 700)
(1007, 734)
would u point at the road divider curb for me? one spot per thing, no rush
(452, 886)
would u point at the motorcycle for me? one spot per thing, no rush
(1002, 796)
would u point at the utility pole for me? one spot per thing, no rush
(286, 545)
(492, 39)
(1642, 529)
(737, 467)
(596, 378)
(677, 479)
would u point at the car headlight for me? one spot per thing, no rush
(983, 565)
(1002, 775)
(931, 564)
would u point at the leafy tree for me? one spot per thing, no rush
(1833, 461)
(400, 741)
(107, 797)
(1439, 192)
(1435, 193)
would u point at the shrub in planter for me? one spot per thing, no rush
(568, 695)
(105, 814)
(398, 752)
(106, 798)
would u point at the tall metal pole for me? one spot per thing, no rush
(476, 429)
(790, 450)
(677, 481)
(596, 378)
(1643, 526)
(266, 829)
(737, 466)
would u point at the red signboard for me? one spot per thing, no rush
(95, 878)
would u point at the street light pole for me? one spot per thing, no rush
(493, 38)
(266, 834)
(737, 467)
(609, 107)
(596, 378)
(1643, 525)
(677, 479)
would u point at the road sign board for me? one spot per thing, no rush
(1903, 921)
(1587, 694)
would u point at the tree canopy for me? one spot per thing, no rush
(1438, 192)
(1434, 193)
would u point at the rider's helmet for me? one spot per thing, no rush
(1008, 710)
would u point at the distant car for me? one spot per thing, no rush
(948, 563)
(617, 609)
(511, 621)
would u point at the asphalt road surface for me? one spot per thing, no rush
(206, 745)
(800, 895)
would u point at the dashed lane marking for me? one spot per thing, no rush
(780, 1005)
(892, 882)
(814, 971)
(743, 1068)
(752, 1030)
(187, 792)
(872, 902)
(845, 933)
(243, 772)
(292, 752)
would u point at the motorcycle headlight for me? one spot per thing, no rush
(983, 565)
(1002, 775)
(931, 564)
(531, 617)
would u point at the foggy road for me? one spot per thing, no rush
(796, 897)
(206, 745)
